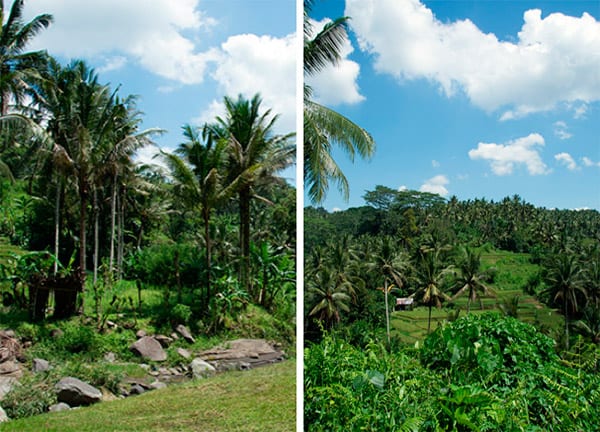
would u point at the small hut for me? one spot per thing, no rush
(404, 303)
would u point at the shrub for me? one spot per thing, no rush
(30, 397)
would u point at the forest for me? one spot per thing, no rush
(98, 246)
(427, 313)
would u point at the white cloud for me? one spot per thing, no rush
(149, 31)
(436, 185)
(588, 162)
(402, 188)
(504, 157)
(553, 59)
(250, 64)
(567, 160)
(435, 164)
(560, 130)
(336, 85)
(112, 63)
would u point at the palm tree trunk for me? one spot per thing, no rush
(96, 239)
(113, 212)
(57, 225)
(244, 198)
(429, 320)
(206, 216)
(566, 322)
(121, 236)
(83, 195)
(387, 312)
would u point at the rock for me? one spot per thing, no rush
(40, 365)
(184, 353)
(157, 385)
(242, 354)
(75, 392)
(165, 341)
(185, 333)
(140, 334)
(111, 324)
(149, 348)
(201, 369)
(10, 333)
(56, 333)
(110, 357)
(10, 347)
(6, 385)
(145, 366)
(174, 336)
(136, 389)
(3, 416)
(61, 406)
(10, 368)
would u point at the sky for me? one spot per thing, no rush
(476, 99)
(180, 57)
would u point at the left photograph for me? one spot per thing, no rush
(147, 215)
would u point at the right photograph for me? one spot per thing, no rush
(452, 215)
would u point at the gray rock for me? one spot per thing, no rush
(3, 416)
(6, 385)
(149, 348)
(137, 389)
(61, 406)
(165, 341)
(75, 392)
(184, 353)
(110, 357)
(201, 369)
(40, 365)
(157, 385)
(10, 368)
(185, 333)
(140, 334)
(174, 336)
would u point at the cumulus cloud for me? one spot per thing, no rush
(250, 64)
(336, 85)
(553, 59)
(588, 162)
(504, 157)
(436, 185)
(157, 34)
(560, 130)
(567, 160)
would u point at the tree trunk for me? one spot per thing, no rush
(244, 198)
(120, 235)
(566, 322)
(206, 215)
(96, 239)
(429, 320)
(83, 196)
(57, 225)
(387, 312)
(113, 211)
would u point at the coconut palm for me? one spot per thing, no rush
(18, 68)
(324, 128)
(430, 277)
(470, 278)
(327, 297)
(255, 155)
(565, 284)
(198, 172)
(393, 266)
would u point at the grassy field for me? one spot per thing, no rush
(512, 271)
(262, 399)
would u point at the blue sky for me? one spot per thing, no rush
(471, 98)
(181, 57)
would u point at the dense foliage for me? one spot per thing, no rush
(479, 373)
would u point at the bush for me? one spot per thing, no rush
(30, 397)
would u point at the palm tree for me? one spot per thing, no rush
(324, 127)
(393, 266)
(199, 181)
(470, 278)
(327, 297)
(255, 155)
(565, 282)
(430, 277)
(17, 67)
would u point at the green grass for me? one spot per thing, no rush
(512, 273)
(262, 399)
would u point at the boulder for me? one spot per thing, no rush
(40, 365)
(149, 348)
(140, 334)
(185, 333)
(165, 341)
(6, 385)
(201, 369)
(136, 389)
(61, 406)
(157, 385)
(110, 357)
(10, 368)
(75, 392)
(3, 416)
(184, 353)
